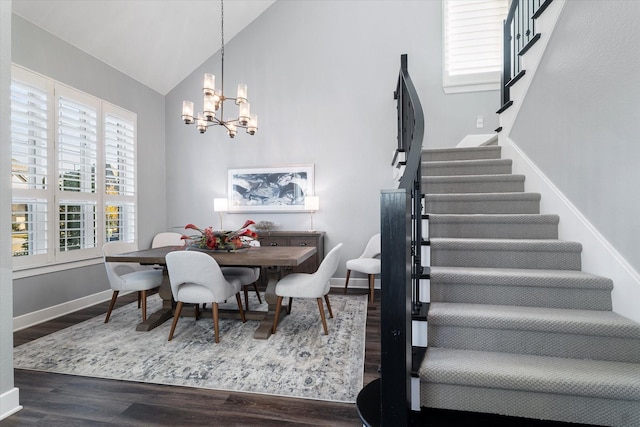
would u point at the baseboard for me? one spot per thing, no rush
(36, 317)
(598, 255)
(356, 283)
(9, 403)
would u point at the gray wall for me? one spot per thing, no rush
(41, 52)
(321, 77)
(579, 122)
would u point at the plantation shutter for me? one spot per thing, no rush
(120, 174)
(473, 41)
(77, 146)
(29, 166)
(28, 136)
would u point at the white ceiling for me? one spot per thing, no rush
(156, 42)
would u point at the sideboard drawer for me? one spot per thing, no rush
(274, 241)
(303, 241)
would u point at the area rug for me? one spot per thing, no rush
(298, 361)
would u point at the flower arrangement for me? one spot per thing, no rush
(221, 240)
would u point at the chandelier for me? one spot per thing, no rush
(213, 111)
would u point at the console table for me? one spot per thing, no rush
(313, 239)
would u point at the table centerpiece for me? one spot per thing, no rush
(210, 239)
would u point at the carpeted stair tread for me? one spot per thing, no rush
(581, 322)
(493, 183)
(467, 153)
(506, 253)
(466, 167)
(535, 245)
(592, 378)
(520, 277)
(483, 203)
(512, 226)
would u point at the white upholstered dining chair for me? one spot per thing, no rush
(248, 276)
(305, 285)
(367, 263)
(196, 278)
(129, 276)
(167, 238)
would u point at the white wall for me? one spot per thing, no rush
(579, 126)
(9, 395)
(321, 77)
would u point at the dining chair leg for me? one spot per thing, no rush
(255, 286)
(114, 297)
(240, 308)
(144, 305)
(326, 299)
(290, 304)
(324, 320)
(346, 283)
(277, 314)
(215, 322)
(246, 297)
(176, 314)
(139, 299)
(372, 281)
(197, 309)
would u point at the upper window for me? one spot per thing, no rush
(73, 172)
(472, 38)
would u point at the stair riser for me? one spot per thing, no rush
(473, 187)
(453, 169)
(574, 299)
(493, 230)
(506, 259)
(482, 207)
(461, 154)
(530, 404)
(569, 345)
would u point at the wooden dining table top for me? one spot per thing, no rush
(261, 256)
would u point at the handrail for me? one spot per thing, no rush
(400, 226)
(519, 34)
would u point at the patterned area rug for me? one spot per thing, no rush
(298, 361)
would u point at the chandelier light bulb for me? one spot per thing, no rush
(209, 107)
(187, 112)
(202, 123)
(209, 84)
(231, 129)
(243, 119)
(252, 127)
(242, 94)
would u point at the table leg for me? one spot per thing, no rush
(166, 312)
(266, 324)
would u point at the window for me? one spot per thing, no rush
(472, 51)
(73, 172)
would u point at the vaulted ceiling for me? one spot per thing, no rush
(156, 42)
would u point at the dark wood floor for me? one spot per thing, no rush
(66, 400)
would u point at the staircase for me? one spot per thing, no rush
(514, 326)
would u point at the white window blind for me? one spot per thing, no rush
(73, 172)
(77, 146)
(473, 43)
(28, 136)
(119, 155)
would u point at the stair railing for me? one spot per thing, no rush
(400, 227)
(519, 34)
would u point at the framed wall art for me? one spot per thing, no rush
(270, 189)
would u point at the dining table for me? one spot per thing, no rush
(259, 256)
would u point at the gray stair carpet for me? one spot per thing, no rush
(515, 327)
